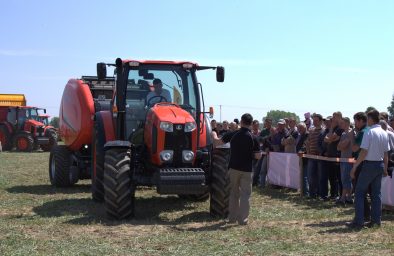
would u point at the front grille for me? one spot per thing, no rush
(40, 129)
(178, 140)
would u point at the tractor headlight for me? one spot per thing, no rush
(167, 126)
(166, 155)
(189, 127)
(187, 156)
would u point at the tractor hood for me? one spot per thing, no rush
(33, 122)
(168, 112)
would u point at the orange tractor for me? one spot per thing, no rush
(21, 127)
(146, 126)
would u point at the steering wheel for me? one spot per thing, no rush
(157, 96)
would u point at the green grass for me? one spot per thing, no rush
(38, 219)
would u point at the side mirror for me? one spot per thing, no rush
(211, 112)
(220, 74)
(101, 71)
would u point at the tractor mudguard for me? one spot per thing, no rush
(104, 118)
(117, 144)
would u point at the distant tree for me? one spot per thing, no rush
(390, 109)
(369, 109)
(275, 115)
(54, 122)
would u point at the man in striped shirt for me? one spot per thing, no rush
(312, 148)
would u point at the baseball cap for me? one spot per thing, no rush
(281, 121)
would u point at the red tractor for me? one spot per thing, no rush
(144, 127)
(21, 128)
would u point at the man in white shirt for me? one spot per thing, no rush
(159, 94)
(374, 156)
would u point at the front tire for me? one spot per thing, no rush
(220, 183)
(51, 134)
(118, 185)
(24, 142)
(61, 173)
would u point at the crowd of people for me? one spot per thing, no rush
(333, 136)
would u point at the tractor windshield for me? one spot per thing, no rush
(143, 91)
(176, 86)
(33, 114)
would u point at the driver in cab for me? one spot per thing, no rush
(159, 94)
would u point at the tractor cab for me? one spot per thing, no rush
(152, 89)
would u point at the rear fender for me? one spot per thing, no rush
(105, 119)
(8, 126)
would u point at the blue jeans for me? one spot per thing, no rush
(305, 184)
(264, 170)
(323, 178)
(256, 171)
(314, 168)
(345, 175)
(371, 175)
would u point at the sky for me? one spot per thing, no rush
(298, 56)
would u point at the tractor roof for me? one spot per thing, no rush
(167, 62)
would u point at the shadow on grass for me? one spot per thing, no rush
(48, 189)
(147, 211)
(293, 196)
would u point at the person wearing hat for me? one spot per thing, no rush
(159, 94)
(279, 135)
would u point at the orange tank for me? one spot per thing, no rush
(76, 115)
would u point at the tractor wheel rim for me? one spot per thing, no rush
(53, 167)
(22, 143)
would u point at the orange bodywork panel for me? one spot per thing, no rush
(165, 112)
(31, 123)
(203, 131)
(76, 114)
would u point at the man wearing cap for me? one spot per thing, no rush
(280, 133)
(374, 156)
(159, 94)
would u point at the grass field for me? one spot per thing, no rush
(37, 219)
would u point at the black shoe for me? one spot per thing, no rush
(349, 201)
(354, 225)
(340, 202)
(372, 224)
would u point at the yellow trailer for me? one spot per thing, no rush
(8, 100)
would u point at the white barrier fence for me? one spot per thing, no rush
(284, 169)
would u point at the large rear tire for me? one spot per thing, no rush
(98, 163)
(118, 185)
(61, 173)
(220, 183)
(24, 142)
(52, 135)
(5, 138)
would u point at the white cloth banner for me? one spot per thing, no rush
(284, 170)
(388, 191)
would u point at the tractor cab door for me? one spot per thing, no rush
(135, 110)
